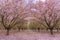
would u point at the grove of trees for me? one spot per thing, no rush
(46, 15)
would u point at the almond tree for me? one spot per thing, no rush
(11, 14)
(49, 15)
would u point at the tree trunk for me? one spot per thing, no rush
(51, 31)
(38, 29)
(19, 29)
(22, 28)
(7, 33)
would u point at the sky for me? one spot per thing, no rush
(34, 1)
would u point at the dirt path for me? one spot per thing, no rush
(31, 36)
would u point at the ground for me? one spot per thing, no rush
(30, 35)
